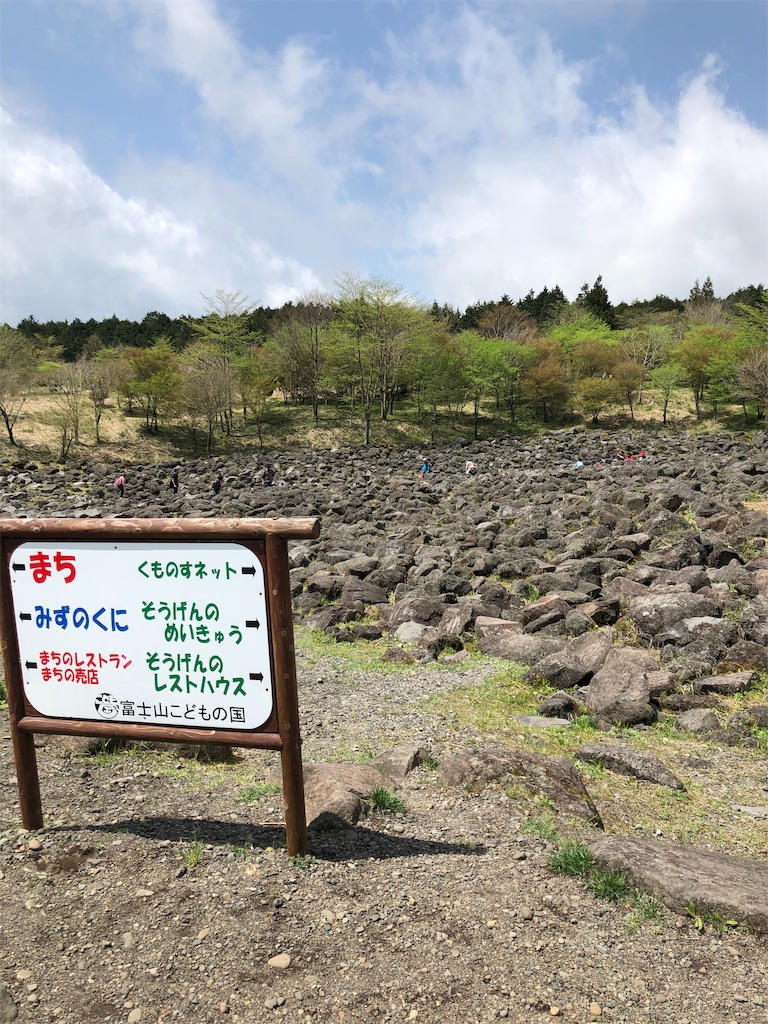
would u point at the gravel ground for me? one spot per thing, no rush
(156, 893)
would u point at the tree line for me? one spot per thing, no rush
(371, 346)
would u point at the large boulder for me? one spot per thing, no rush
(619, 694)
(681, 877)
(553, 777)
(657, 610)
(638, 764)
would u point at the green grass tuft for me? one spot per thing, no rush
(385, 800)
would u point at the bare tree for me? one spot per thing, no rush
(752, 379)
(207, 385)
(99, 377)
(507, 322)
(17, 376)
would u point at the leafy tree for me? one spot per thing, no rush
(545, 384)
(298, 345)
(153, 381)
(594, 394)
(544, 306)
(697, 350)
(595, 300)
(750, 322)
(751, 295)
(377, 326)
(667, 378)
(593, 357)
(629, 377)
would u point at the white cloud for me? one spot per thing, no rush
(73, 246)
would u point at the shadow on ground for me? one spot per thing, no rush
(340, 844)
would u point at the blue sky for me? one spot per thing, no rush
(154, 152)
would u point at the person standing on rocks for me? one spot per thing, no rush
(470, 467)
(120, 486)
(216, 485)
(426, 467)
(174, 481)
(267, 476)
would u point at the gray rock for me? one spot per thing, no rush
(593, 649)
(398, 761)
(409, 632)
(427, 610)
(699, 721)
(636, 763)
(338, 791)
(560, 705)
(619, 694)
(541, 721)
(553, 777)
(9, 1011)
(563, 669)
(734, 682)
(522, 647)
(678, 876)
(657, 610)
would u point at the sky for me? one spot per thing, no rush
(154, 152)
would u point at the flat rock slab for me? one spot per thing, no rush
(678, 876)
(541, 721)
(553, 777)
(625, 761)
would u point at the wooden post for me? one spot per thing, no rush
(286, 692)
(23, 742)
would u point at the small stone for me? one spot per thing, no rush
(23, 975)
(271, 1003)
(595, 1010)
(554, 1010)
(34, 844)
(281, 962)
(145, 892)
(134, 1016)
(129, 940)
(203, 934)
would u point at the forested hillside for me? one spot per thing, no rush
(373, 362)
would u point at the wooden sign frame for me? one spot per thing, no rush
(267, 539)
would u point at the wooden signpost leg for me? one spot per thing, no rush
(286, 691)
(23, 742)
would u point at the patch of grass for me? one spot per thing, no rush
(688, 516)
(608, 885)
(544, 827)
(646, 908)
(303, 861)
(191, 853)
(626, 634)
(357, 753)
(257, 791)
(383, 799)
(572, 858)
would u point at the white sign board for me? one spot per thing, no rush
(170, 633)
